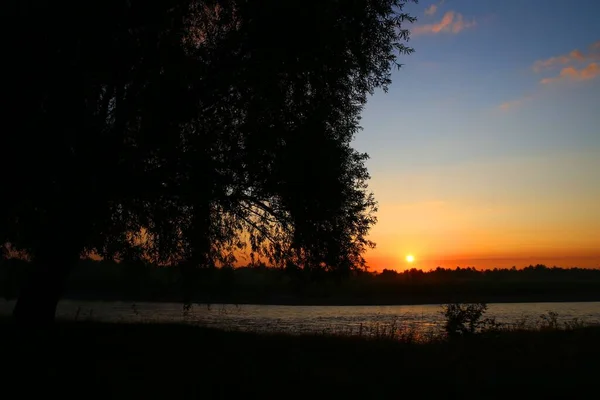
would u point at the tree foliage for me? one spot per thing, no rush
(186, 131)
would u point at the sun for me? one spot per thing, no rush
(410, 258)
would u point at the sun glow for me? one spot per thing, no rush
(410, 258)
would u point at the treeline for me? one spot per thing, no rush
(101, 280)
(532, 273)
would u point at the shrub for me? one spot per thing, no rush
(466, 319)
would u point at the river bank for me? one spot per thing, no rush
(100, 360)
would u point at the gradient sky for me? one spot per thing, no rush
(486, 150)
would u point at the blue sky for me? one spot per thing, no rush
(490, 132)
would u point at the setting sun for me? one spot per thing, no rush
(410, 258)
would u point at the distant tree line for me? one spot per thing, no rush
(104, 280)
(538, 272)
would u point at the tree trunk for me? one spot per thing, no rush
(37, 301)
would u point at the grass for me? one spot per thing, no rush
(103, 360)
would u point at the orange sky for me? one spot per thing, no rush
(516, 211)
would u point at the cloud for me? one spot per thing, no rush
(573, 70)
(569, 62)
(431, 9)
(591, 71)
(451, 22)
(575, 56)
(508, 105)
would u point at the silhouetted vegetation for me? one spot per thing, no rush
(183, 131)
(103, 280)
(178, 361)
(464, 319)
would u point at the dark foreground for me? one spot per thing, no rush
(96, 360)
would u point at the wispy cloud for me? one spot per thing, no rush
(591, 71)
(575, 66)
(509, 105)
(432, 9)
(451, 22)
(571, 63)
(575, 56)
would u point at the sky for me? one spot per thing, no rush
(485, 151)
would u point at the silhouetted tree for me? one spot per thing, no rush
(182, 131)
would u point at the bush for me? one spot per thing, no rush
(466, 319)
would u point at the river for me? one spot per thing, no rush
(308, 319)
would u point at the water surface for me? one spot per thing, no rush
(303, 319)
